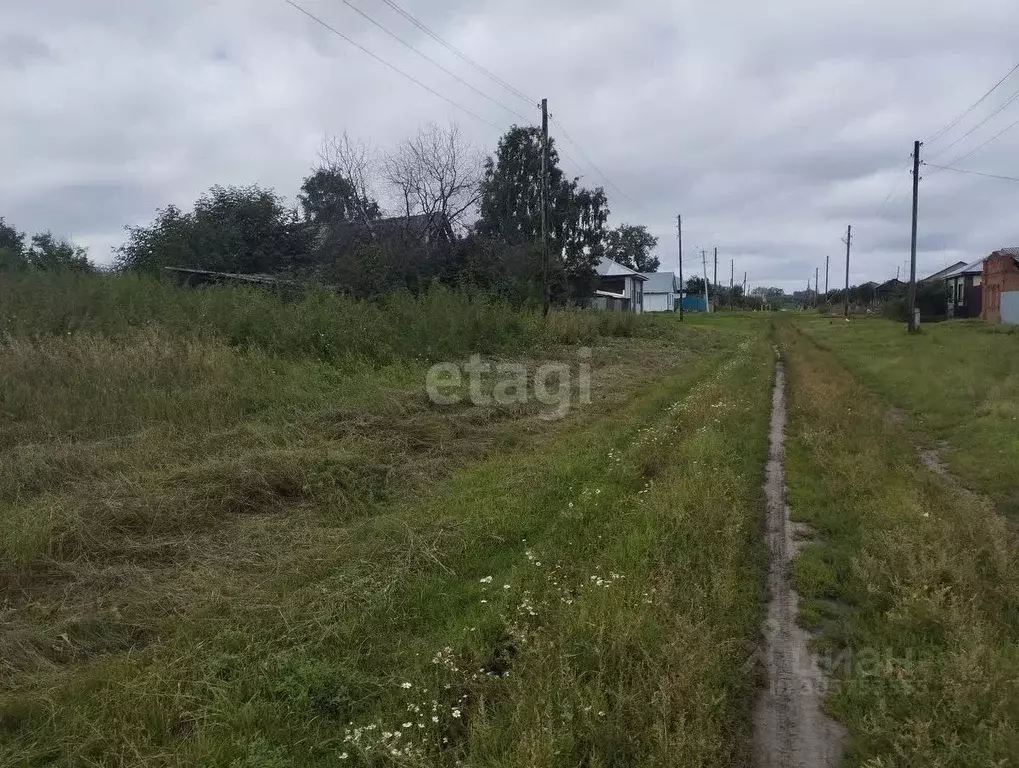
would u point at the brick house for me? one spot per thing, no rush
(1001, 287)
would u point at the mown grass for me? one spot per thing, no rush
(913, 584)
(229, 552)
(957, 382)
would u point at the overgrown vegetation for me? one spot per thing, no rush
(440, 324)
(913, 584)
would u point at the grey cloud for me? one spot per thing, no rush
(770, 126)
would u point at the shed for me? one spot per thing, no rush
(660, 291)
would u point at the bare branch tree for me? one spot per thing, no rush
(358, 163)
(436, 172)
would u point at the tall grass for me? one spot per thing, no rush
(438, 325)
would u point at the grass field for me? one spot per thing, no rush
(237, 533)
(224, 552)
(957, 384)
(913, 584)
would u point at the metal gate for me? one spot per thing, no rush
(1010, 307)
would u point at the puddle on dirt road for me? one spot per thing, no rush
(790, 728)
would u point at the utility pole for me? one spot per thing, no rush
(744, 285)
(912, 246)
(715, 283)
(682, 285)
(544, 205)
(707, 299)
(817, 289)
(732, 277)
(848, 241)
(827, 259)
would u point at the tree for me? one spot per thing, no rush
(51, 255)
(695, 286)
(12, 248)
(328, 197)
(631, 246)
(510, 208)
(356, 163)
(231, 229)
(436, 173)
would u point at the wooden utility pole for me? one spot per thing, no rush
(544, 205)
(912, 245)
(817, 289)
(707, 299)
(732, 277)
(827, 260)
(849, 241)
(715, 283)
(682, 285)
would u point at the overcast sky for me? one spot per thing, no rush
(768, 125)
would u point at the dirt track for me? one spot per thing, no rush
(791, 730)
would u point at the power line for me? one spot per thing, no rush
(393, 67)
(977, 148)
(428, 58)
(978, 125)
(457, 52)
(888, 197)
(973, 106)
(974, 173)
(591, 162)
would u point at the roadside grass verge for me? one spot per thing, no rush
(508, 592)
(957, 382)
(439, 325)
(913, 584)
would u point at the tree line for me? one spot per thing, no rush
(432, 208)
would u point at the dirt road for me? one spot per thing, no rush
(791, 730)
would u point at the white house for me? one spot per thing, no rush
(661, 291)
(619, 288)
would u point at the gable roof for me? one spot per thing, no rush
(1013, 252)
(343, 236)
(944, 272)
(973, 268)
(660, 282)
(609, 268)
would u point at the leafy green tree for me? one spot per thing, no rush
(631, 246)
(12, 248)
(231, 229)
(327, 197)
(51, 255)
(511, 209)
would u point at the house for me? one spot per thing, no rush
(1001, 287)
(398, 232)
(963, 286)
(940, 275)
(661, 291)
(892, 289)
(619, 288)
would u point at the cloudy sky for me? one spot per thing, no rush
(769, 125)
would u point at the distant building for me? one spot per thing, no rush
(1001, 287)
(963, 286)
(661, 291)
(941, 274)
(619, 288)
